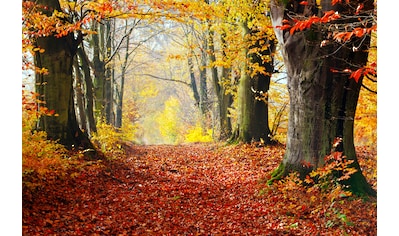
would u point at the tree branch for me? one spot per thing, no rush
(368, 89)
(166, 79)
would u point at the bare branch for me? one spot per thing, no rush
(368, 89)
(166, 79)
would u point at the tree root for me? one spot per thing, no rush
(277, 174)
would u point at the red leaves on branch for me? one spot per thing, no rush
(356, 75)
(300, 25)
(359, 73)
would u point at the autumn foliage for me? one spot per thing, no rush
(205, 188)
(194, 190)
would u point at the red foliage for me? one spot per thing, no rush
(300, 25)
(187, 190)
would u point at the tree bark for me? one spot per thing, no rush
(322, 103)
(99, 74)
(252, 98)
(56, 87)
(102, 74)
(192, 80)
(224, 99)
(119, 105)
(79, 96)
(203, 88)
(89, 109)
(109, 75)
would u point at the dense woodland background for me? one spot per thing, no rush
(161, 86)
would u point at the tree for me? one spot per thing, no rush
(256, 68)
(84, 65)
(253, 120)
(225, 99)
(102, 71)
(322, 44)
(56, 29)
(55, 83)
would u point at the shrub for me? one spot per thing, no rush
(39, 155)
(196, 134)
(108, 139)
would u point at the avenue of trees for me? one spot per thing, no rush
(107, 63)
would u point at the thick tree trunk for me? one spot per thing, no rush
(322, 103)
(56, 87)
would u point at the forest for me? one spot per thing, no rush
(199, 117)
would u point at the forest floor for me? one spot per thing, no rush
(196, 189)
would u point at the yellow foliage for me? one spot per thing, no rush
(39, 155)
(196, 134)
(148, 90)
(278, 111)
(366, 111)
(108, 138)
(168, 121)
(129, 129)
(366, 119)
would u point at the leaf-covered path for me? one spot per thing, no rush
(166, 190)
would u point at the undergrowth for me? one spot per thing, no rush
(322, 196)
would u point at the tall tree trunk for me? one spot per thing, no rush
(89, 109)
(253, 118)
(322, 103)
(109, 78)
(224, 100)
(119, 105)
(99, 73)
(56, 87)
(79, 96)
(192, 80)
(102, 73)
(203, 89)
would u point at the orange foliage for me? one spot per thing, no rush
(39, 155)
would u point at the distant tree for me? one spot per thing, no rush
(224, 97)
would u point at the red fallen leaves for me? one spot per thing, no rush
(187, 190)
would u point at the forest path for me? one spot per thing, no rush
(186, 189)
(196, 189)
(205, 189)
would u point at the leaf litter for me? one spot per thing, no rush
(193, 189)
